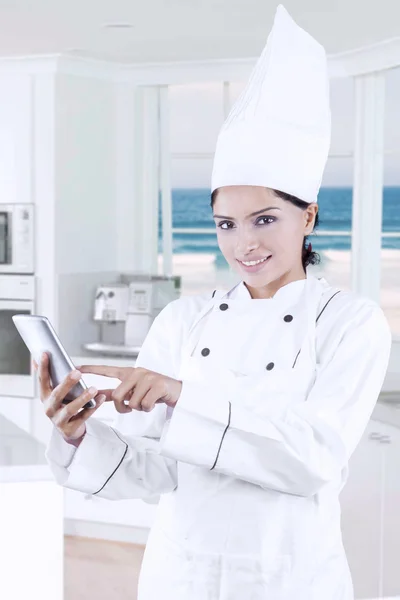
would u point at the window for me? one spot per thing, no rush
(390, 252)
(196, 115)
(332, 238)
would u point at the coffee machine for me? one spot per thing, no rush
(125, 310)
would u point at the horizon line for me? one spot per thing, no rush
(326, 187)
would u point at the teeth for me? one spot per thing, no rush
(251, 263)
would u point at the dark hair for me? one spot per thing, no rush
(309, 257)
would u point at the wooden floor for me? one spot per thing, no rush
(100, 570)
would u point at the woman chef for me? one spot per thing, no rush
(251, 401)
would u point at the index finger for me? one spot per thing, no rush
(107, 371)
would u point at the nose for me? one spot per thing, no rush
(247, 242)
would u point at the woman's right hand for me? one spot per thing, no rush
(65, 417)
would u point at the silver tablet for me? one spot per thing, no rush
(39, 336)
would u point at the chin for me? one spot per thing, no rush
(260, 280)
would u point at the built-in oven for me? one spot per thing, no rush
(17, 296)
(16, 238)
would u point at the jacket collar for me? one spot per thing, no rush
(290, 291)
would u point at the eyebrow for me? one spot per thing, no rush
(258, 212)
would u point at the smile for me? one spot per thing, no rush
(252, 266)
(251, 263)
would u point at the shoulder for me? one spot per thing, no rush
(348, 306)
(344, 311)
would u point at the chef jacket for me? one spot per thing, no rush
(248, 466)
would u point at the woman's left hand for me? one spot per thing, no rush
(139, 387)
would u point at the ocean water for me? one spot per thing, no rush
(191, 208)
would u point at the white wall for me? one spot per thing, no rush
(85, 197)
(43, 175)
(85, 201)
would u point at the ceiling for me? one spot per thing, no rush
(182, 30)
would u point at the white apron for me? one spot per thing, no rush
(220, 538)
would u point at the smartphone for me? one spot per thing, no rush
(40, 336)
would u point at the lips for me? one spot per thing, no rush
(256, 258)
(255, 268)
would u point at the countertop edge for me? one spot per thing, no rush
(25, 473)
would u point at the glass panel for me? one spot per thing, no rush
(191, 173)
(15, 358)
(196, 257)
(343, 116)
(390, 256)
(196, 116)
(390, 253)
(5, 241)
(332, 238)
(392, 119)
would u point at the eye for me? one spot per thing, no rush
(226, 225)
(220, 225)
(272, 219)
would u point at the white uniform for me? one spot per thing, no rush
(276, 395)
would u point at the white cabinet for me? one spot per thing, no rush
(31, 540)
(16, 139)
(371, 513)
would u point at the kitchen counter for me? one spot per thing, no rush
(31, 523)
(21, 455)
(31, 519)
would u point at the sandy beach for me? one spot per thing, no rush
(200, 275)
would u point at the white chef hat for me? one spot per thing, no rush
(277, 134)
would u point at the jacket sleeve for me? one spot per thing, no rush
(304, 446)
(123, 461)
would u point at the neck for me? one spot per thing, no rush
(268, 290)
